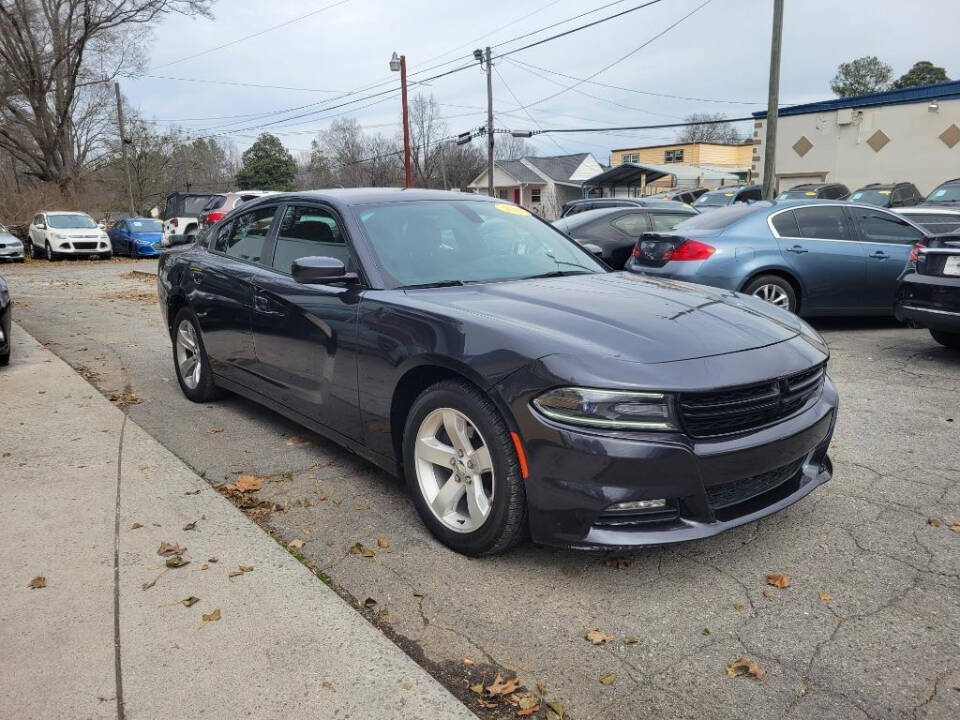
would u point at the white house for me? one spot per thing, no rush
(540, 184)
(908, 135)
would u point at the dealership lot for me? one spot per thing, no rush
(877, 539)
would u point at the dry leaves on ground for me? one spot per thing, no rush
(244, 483)
(467, 661)
(136, 526)
(739, 607)
(503, 687)
(125, 399)
(190, 525)
(212, 616)
(176, 561)
(188, 601)
(826, 597)
(361, 549)
(295, 544)
(608, 678)
(955, 527)
(933, 522)
(38, 582)
(620, 563)
(598, 637)
(382, 542)
(170, 549)
(215, 430)
(744, 667)
(631, 640)
(778, 580)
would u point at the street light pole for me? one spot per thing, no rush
(489, 123)
(400, 63)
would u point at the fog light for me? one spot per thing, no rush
(639, 505)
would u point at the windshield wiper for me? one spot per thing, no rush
(438, 283)
(560, 273)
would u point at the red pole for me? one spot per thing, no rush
(406, 120)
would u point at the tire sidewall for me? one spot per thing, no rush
(506, 471)
(204, 389)
(779, 282)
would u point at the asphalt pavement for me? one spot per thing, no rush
(869, 626)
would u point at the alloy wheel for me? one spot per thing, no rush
(188, 354)
(454, 470)
(773, 294)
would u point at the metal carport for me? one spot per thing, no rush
(635, 175)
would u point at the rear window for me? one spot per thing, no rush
(786, 224)
(936, 223)
(718, 198)
(668, 221)
(718, 219)
(193, 206)
(215, 202)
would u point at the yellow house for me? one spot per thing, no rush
(711, 154)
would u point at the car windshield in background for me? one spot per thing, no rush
(440, 242)
(146, 225)
(796, 195)
(194, 205)
(948, 194)
(872, 197)
(714, 199)
(719, 219)
(64, 222)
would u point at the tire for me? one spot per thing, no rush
(5, 359)
(457, 524)
(50, 254)
(34, 253)
(106, 256)
(947, 339)
(198, 386)
(775, 290)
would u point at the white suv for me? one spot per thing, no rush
(55, 234)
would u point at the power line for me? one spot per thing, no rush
(227, 82)
(646, 127)
(526, 112)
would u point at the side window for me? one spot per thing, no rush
(751, 194)
(880, 227)
(786, 224)
(244, 238)
(305, 232)
(826, 223)
(634, 224)
(662, 222)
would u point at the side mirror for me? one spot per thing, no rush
(595, 250)
(321, 271)
(101, 226)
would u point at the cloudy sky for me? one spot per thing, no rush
(715, 60)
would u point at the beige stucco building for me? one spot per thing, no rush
(909, 135)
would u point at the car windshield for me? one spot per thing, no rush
(719, 219)
(873, 196)
(718, 198)
(571, 223)
(63, 222)
(797, 194)
(146, 225)
(945, 194)
(462, 241)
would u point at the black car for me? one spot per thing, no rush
(929, 292)
(520, 387)
(6, 312)
(945, 195)
(616, 230)
(578, 206)
(684, 195)
(888, 195)
(816, 191)
(728, 195)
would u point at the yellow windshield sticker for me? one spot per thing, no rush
(512, 209)
(884, 192)
(810, 193)
(728, 194)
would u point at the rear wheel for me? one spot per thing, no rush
(462, 470)
(774, 290)
(947, 339)
(190, 359)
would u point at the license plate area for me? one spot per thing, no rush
(952, 265)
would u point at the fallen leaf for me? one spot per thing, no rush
(361, 549)
(38, 582)
(630, 640)
(369, 603)
(556, 707)
(176, 561)
(826, 597)
(215, 430)
(779, 580)
(742, 667)
(467, 661)
(363, 507)
(527, 701)
(705, 632)
(382, 542)
(955, 527)
(598, 637)
(234, 573)
(204, 566)
(247, 483)
(524, 712)
(541, 688)
(767, 593)
(307, 532)
(246, 568)
(212, 616)
(739, 607)
(212, 558)
(321, 496)
(933, 522)
(417, 594)
(187, 602)
(295, 544)
(170, 549)
(190, 525)
(620, 563)
(136, 526)
(503, 687)
(608, 679)
(150, 584)
(192, 492)
(478, 688)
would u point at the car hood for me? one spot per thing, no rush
(150, 237)
(622, 315)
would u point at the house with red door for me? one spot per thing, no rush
(540, 184)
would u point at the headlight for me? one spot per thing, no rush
(813, 337)
(613, 409)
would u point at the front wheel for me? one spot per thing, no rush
(947, 339)
(190, 359)
(48, 251)
(774, 290)
(462, 470)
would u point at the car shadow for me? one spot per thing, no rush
(854, 323)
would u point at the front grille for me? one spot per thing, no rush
(739, 491)
(84, 246)
(747, 407)
(626, 519)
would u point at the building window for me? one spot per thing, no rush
(630, 157)
(673, 156)
(502, 193)
(535, 195)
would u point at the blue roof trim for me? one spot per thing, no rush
(924, 93)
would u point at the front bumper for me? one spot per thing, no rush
(82, 247)
(146, 249)
(930, 301)
(8, 251)
(711, 485)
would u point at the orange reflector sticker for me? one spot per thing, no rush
(524, 470)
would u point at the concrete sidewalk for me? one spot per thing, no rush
(76, 477)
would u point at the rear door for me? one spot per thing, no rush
(887, 240)
(818, 243)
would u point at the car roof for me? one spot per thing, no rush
(363, 196)
(61, 212)
(927, 210)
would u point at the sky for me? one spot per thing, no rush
(714, 60)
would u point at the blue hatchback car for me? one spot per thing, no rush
(811, 257)
(136, 237)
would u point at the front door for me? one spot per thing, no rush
(887, 240)
(306, 335)
(819, 244)
(516, 196)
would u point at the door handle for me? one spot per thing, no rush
(880, 255)
(798, 249)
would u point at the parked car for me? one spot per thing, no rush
(56, 234)
(136, 237)
(181, 215)
(888, 195)
(728, 195)
(684, 195)
(816, 257)
(929, 292)
(933, 219)
(519, 386)
(10, 246)
(946, 194)
(219, 205)
(616, 230)
(6, 319)
(820, 191)
(578, 206)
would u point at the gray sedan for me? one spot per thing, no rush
(10, 247)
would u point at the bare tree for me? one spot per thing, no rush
(427, 131)
(508, 147)
(55, 56)
(710, 128)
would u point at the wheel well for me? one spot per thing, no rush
(173, 307)
(781, 274)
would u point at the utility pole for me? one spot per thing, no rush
(123, 148)
(773, 103)
(400, 63)
(489, 123)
